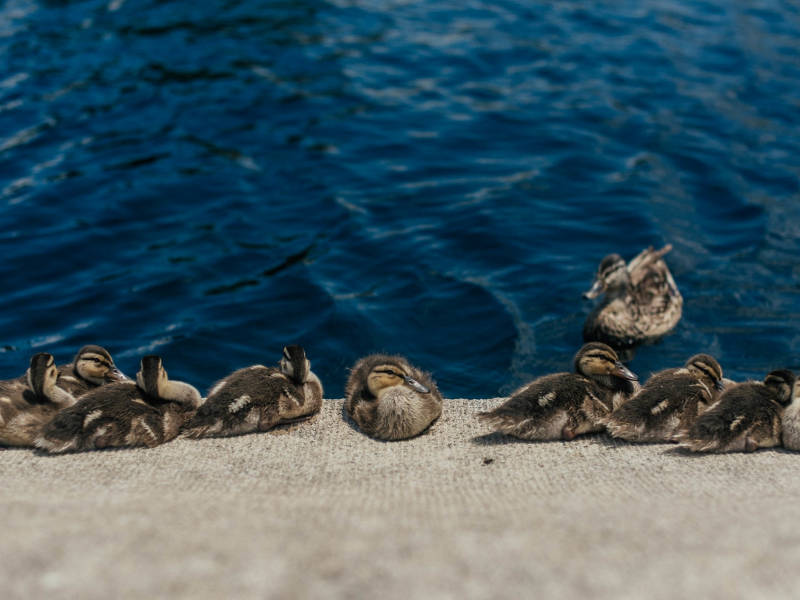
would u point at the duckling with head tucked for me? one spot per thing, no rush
(641, 304)
(28, 402)
(746, 417)
(259, 398)
(669, 402)
(390, 399)
(125, 414)
(565, 405)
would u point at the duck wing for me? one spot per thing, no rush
(653, 295)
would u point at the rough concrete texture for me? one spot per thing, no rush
(318, 510)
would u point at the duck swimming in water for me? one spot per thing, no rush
(565, 405)
(390, 399)
(641, 304)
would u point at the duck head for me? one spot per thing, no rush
(612, 276)
(384, 376)
(42, 373)
(598, 361)
(95, 364)
(151, 376)
(780, 383)
(294, 363)
(704, 366)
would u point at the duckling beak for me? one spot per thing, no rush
(720, 385)
(416, 385)
(114, 374)
(598, 288)
(621, 370)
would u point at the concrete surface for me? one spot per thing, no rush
(318, 510)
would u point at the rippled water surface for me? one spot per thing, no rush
(212, 180)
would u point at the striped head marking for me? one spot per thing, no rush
(611, 275)
(385, 376)
(598, 360)
(780, 383)
(42, 373)
(151, 376)
(294, 363)
(705, 366)
(94, 364)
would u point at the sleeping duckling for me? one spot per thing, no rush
(390, 399)
(27, 405)
(746, 417)
(564, 405)
(146, 413)
(641, 304)
(260, 398)
(669, 402)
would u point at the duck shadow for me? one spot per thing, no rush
(497, 438)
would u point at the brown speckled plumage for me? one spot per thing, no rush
(747, 416)
(399, 411)
(147, 413)
(669, 402)
(641, 303)
(259, 398)
(564, 405)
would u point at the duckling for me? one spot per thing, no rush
(149, 412)
(641, 304)
(669, 402)
(260, 398)
(390, 399)
(565, 405)
(746, 417)
(91, 368)
(28, 402)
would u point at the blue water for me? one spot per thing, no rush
(212, 180)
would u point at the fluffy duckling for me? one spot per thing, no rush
(146, 413)
(790, 422)
(390, 399)
(564, 405)
(746, 417)
(669, 402)
(641, 304)
(91, 368)
(29, 402)
(260, 398)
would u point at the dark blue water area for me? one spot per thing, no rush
(212, 180)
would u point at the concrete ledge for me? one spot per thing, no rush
(318, 510)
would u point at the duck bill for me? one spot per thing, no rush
(597, 288)
(621, 370)
(720, 385)
(415, 385)
(114, 374)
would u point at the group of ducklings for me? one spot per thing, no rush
(89, 404)
(692, 405)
